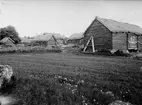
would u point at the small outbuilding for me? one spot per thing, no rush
(108, 34)
(52, 43)
(7, 42)
(38, 43)
(76, 39)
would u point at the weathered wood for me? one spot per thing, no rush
(75, 41)
(137, 43)
(87, 44)
(127, 41)
(93, 47)
(140, 43)
(104, 39)
(102, 36)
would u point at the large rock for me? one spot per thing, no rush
(6, 73)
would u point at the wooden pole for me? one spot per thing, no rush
(93, 47)
(87, 44)
(127, 41)
(137, 43)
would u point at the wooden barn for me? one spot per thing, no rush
(60, 41)
(7, 42)
(38, 43)
(76, 39)
(107, 34)
(52, 43)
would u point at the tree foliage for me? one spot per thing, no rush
(11, 32)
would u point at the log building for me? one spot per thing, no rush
(107, 34)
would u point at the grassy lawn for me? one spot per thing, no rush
(58, 79)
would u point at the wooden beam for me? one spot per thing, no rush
(87, 44)
(127, 41)
(93, 47)
(137, 43)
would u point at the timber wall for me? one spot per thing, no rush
(102, 36)
(140, 44)
(119, 41)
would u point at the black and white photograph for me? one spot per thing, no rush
(70, 52)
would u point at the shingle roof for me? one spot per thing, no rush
(115, 26)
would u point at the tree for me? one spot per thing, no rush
(11, 32)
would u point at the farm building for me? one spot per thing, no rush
(38, 43)
(7, 42)
(60, 41)
(76, 39)
(47, 36)
(107, 34)
(26, 41)
(52, 43)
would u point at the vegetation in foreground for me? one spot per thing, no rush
(56, 79)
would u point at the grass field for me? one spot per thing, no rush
(61, 79)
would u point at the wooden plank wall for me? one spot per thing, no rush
(102, 36)
(132, 46)
(120, 41)
(140, 45)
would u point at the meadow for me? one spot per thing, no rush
(66, 79)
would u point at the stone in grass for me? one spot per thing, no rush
(140, 68)
(119, 102)
(6, 73)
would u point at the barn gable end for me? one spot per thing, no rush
(102, 36)
(7, 42)
(52, 43)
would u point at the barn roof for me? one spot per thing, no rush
(76, 36)
(53, 39)
(47, 36)
(115, 26)
(4, 40)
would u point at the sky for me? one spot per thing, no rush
(33, 17)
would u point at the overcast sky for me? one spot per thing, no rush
(31, 17)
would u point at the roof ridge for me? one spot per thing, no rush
(117, 21)
(116, 26)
